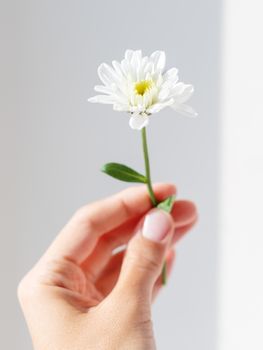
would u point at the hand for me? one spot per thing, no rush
(81, 295)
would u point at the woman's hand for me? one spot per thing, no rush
(82, 295)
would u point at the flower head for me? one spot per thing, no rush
(138, 85)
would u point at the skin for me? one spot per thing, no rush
(81, 296)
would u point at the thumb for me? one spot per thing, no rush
(145, 254)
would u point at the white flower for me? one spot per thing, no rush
(138, 85)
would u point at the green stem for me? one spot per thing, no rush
(150, 189)
(147, 167)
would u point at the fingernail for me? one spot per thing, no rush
(157, 224)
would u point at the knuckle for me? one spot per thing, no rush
(82, 212)
(148, 263)
(29, 287)
(125, 207)
(144, 261)
(84, 217)
(20, 290)
(23, 289)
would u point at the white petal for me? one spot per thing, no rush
(133, 65)
(178, 89)
(158, 78)
(171, 74)
(107, 74)
(158, 58)
(183, 94)
(159, 106)
(121, 108)
(136, 63)
(185, 110)
(117, 66)
(103, 89)
(148, 69)
(140, 71)
(125, 67)
(147, 99)
(105, 99)
(171, 89)
(164, 93)
(138, 121)
(128, 54)
(138, 56)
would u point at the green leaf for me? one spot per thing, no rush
(164, 274)
(123, 173)
(167, 204)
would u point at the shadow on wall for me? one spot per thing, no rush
(186, 314)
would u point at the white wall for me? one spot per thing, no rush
(53, 142)
(241, 229)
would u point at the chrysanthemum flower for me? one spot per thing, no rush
(138, 85)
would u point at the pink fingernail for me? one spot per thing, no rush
(157, 224)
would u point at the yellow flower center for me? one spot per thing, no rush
(143, 86)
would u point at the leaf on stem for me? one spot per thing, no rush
(167, 204)
(123, 173)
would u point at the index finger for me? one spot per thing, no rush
(79, 237)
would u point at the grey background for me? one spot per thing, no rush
(53, 142)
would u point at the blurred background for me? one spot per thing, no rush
(53, 143)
